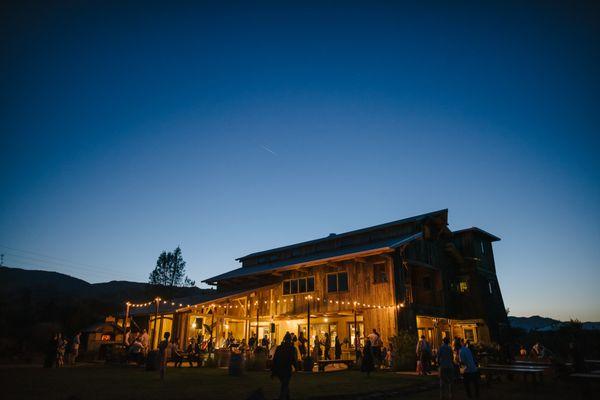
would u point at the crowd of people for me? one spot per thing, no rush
(60, 351)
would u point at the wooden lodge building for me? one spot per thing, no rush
(413, 274)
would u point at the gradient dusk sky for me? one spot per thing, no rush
(228, 128)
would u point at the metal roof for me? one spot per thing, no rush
(479, 231)
(294, 262)
(335, 236)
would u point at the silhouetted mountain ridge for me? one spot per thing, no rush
(538, 323)
(45, 284)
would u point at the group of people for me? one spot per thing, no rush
(60, 351)
(137, 345)
(450, 361)
(538, 351)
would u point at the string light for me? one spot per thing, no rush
(354, 303)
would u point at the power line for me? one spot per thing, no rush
(59, 266)
(62, 260)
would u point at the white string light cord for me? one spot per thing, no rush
(354, 304)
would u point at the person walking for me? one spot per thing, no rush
(283, 360)
(445, 359)
(163, 355)
(471, 372)
(367, 363)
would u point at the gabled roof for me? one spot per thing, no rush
(354, 232)
(324, 256)
(477, 231)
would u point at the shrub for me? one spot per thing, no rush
(403, 353)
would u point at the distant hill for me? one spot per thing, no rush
(33, 304)
(543, 324)
(46, 284)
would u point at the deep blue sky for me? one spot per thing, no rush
(228, 129)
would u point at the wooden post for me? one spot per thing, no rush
(257, 310)
(356, 334)
(125, 321)
(155, 318)
(308, 327)
(212, 329)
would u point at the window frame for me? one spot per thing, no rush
(289, 284)
(337, 282)
(379, 267)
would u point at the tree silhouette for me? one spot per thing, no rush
(170, 270)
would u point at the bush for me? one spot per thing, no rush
(403, 352)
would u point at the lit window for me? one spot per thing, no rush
(469, 335)
(463, 286)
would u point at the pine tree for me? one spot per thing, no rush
(170, 270)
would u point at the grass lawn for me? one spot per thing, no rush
(113, 382)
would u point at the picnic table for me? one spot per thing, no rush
(321, 364)
(490, 371)
(532, 363)
(593, 363)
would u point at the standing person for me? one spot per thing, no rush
(163, 355)
(252, 341)
(296, 344)
(144, 338)
(51, 346)
(376, 344)
(302, 344)
(283, 360)
(327, 346)
(127, 335)
(471, 373)
(176, 354)
(523, 352)
(316, 349)
(61, 345)
(265, 342)
(445, 359)
(75, 347)
(367, 363)
(388, 358)
(338, 348)
(423, 356)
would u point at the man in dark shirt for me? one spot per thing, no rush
(284, 359)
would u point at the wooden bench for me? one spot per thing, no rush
(321, 364)
(490, 371)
